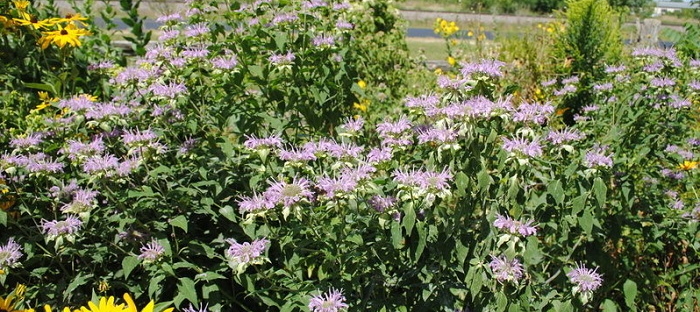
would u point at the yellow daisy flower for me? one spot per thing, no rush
(131, 306)
(21, 5)
(31, 20)
(8, 305)
(70, 35)
(105, 305)
(47, 308)
(688, 165)
(362, 84)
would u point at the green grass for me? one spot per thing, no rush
(431, 48)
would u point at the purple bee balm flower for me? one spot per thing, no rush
(564, 135)
(596, 158)
(382, 203)
(437, 136)
(77, 103)
(570, 80)
(82, 201)
(614, 69)
(100, 164)
(152, 251)
(514, 226)
(424, 101)
(10, 254)
(282, 59)
(425, 180)
(567, 89)
(247, 252)
(195, 53)
(170, 91)
(522, 146)
(323, 41)
(490, 68)
(353, 125)
(284, 18)
(505, 270)
(332, 301)
(224, 62)
(253, 142)
(169, 18)
(661, 82)
(342, 24)
(585, 279)
(548, 83)
(254, 204)
(653, 67)
(168, 34)
(288, 194)
(138, 137)
(202, 308)
(196, 29)
(133, 74)
(296, 155)
(695, 85)
(333, 187)
(38, 162)
(536, 113)
(69, 226)
(344, 150)
(390, 129)
(31, 140)
(603, 87)
(377, 155)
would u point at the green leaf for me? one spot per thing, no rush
(422, 239)
(3, 218)
(609, 306)
(180, 222)
(630, 291)
(483, 179)
(557, 191)
(396, 235)
(79, 280)
(42, 87)
(586, 222)
(409, 219)
(599, 190)
(186, 290)
(228, 213)
(128, 265)
(578, 204)
(501, 301)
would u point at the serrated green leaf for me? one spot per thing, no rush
(128, 265)
(556, 189)
(186, 289)
(578, 204)
(586, 222)
(179, 222)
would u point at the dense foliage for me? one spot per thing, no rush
(277, 156)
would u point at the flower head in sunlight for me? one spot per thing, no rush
(69, 35)
(31, 20)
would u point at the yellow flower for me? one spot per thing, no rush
(438, 71)
(47, 308)
(21, 5)
(131, 306)
(688, 165)
(105, 305)
(362, 84)
(71, 18)
(31, 20)
(451, 61)
(8, 305)
(362, 105)
(470, 34)
(70, 35)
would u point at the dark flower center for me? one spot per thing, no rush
(63, 33)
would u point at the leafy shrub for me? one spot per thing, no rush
(591, 38)
(469, 199)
